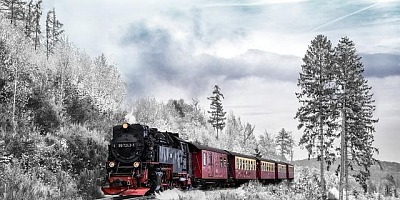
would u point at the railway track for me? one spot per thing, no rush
(113, 197)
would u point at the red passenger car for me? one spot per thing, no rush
(242, 167)
(280, 170)
(265, 170)
(290, 171)
(209, 163)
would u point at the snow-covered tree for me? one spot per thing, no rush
(14, 10)
(217, 118)
(233, 129)
(357, 113)
(267, 146)
(53, 31)
(316, 114)
(32, 21)
(284, 142)
(249, 143)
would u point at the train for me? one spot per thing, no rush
(143, 160)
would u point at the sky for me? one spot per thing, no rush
(252, 49)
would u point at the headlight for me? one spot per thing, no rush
(136, 164)
(111, 164)
(125, 125)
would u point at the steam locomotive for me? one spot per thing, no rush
(143, 160)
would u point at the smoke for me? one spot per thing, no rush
(130, 118)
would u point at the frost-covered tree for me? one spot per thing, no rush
(357, 113)
(33, 22)
(249, 143)
(284, 142)
(53, 31)
(217, 118)
(267, 146)
(14, 10)
(316, 114)
(232, 130)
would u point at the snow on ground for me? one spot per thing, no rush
(255, 191)
(247, 191)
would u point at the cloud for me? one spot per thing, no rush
(164, 57)
(381, 65)
(166, 60)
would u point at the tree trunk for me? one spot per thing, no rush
(14, 102)
(346, 172)
(343, 152)
(323, 187)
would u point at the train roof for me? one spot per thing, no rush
(240, 155)
(267, 160)
(203, 147)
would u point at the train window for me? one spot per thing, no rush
(221, 162)
(225, 164)
(211, 159)
(236, 163)
(204, 159)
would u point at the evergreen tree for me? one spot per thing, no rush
(357, 114)
(53, 31)
(29, 22)
(37, 13)
(284, 141)
(217, 118)
(317, 112)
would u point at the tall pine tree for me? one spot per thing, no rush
(217, 118)
(53, 31)
(357, 114)
(316, 114)
(284, 141)
(36, 14)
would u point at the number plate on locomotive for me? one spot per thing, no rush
(125, 145)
